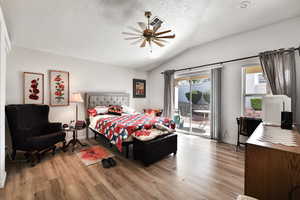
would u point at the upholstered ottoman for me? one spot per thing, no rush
(151, 151)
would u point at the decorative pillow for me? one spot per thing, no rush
(92, 112)
(115, 110)
(148, 126)
(153, 112)
(98, 110)
(101, 110)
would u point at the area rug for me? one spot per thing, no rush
(93, 155)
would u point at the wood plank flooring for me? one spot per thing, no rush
(202, 169)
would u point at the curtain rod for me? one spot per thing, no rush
(227, 61)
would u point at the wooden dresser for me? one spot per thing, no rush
(271, 170)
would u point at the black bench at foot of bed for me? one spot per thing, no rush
(154, 150)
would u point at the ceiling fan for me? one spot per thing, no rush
(148, 33)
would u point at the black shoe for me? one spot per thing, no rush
(105, 163)
(112, 162)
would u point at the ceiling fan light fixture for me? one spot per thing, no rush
(149, 33)
(148, 14)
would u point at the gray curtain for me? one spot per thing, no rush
(169, 91)
(279, 68)
(216, 103)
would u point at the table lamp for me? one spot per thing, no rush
(76, 98)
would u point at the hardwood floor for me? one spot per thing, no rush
(202, 169)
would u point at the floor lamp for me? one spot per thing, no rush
(75, 98)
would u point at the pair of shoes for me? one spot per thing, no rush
(109, 162)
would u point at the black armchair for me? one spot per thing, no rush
(31, 130)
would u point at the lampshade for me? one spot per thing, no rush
(76, 98)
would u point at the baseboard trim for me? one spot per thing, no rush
(2, 180)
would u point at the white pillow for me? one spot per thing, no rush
(128, 110)
(101, 109)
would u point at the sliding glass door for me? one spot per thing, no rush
(183, 106)
(192, 103)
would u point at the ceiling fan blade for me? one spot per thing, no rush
(167, 36)
(163, 32)
(158, 43)
(135, 42)
(143, 43)
(160, 40)
(132, 38)
(134, 29)
(156, 28)
(142, 25)
(127, 33)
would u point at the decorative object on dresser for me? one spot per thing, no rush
(33, 85)
(272, 170)
(139, 88)
(246, 127)
(59, 88)
(31, 130)
(287, 120)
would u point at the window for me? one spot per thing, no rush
(254, 88)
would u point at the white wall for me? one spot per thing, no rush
(282, 35)
(4, 49)
(84, 76)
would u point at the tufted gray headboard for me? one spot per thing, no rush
(93, 99)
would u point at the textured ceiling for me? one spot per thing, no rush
(91, 29)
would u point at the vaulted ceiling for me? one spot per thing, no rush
(91, 29)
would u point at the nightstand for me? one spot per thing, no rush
(74, 140)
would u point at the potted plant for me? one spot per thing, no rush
(196, 96)
(256, 103)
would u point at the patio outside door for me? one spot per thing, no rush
(192, 104)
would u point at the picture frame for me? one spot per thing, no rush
(139, 88)
(59, 88)
(33, 88)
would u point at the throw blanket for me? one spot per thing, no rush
(119, 128)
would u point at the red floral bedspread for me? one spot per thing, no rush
(119, 128)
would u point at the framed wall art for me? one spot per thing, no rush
(59, 88)
(139, 88)
(33, 88)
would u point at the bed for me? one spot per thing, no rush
(117, 129)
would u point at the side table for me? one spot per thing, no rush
(74, 140)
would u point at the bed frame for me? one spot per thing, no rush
(93, 99)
